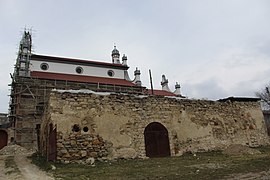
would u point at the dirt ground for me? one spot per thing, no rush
(26, 170)
(14, 165)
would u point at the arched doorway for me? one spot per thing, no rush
(156, 140)
(3, 138)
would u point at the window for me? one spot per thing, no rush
(76, 128)
(79, 70)
(44, 66)
(110, 73)
(85, 129)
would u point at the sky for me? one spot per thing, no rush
(213, 48)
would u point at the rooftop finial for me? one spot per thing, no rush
(177, 91)
(137, 79)
(164, 84)
(124, 60)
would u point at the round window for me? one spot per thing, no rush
(85, 129)
(44, 66)
(76, 128)
(110, 73)
(79, 70)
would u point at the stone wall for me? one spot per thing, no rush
(108, 126)
(29, 95)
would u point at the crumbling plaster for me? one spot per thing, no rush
(119, 121)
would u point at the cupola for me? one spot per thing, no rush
(115, 56)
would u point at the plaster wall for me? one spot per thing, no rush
(115, 124)
(71, 69)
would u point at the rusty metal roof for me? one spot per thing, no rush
(79, 78)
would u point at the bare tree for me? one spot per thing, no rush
(264, 94)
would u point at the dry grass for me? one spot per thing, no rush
(210, 165)
(11, 166)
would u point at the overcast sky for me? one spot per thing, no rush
(213, 48)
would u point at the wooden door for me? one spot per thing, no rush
(3, 138)
(52, 154)
(156, 140)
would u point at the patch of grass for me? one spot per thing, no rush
(11, 166)
(209, 165)
(40, 161)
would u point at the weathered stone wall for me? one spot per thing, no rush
(29, 95)
(112, 126)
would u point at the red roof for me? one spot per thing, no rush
(76, 61)
(160, 92)
(79, 78)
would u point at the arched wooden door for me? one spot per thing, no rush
(3, 138)
(156, 140)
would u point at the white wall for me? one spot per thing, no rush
(70, 69)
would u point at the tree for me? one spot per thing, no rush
(265, 97)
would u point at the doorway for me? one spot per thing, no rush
(3, 138)
(156, 140)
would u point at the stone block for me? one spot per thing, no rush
(90, 161)
(93, 154)
(83, 153)
(95, 142)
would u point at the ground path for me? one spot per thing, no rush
(14, 165)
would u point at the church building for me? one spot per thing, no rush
(36, 75)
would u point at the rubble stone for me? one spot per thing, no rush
(112, 126)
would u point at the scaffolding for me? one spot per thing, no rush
(29, 95)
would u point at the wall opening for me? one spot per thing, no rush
(3, 138)
(156, 140)
(52, 149)
(76, 128)
(85, 129)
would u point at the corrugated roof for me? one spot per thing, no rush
(160, 92)
(240, 99)
(80, 78)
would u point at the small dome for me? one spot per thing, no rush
(115, 51)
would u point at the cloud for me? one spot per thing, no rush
(212, 48)
(232, 72)
(4, 99)
(209, 89)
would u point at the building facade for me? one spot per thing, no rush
(36, 75)
(78, 125)
(74, 109)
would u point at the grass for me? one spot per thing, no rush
(40, 161)
(210, 165)
(11, 166)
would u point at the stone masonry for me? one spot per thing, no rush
(109, 126)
